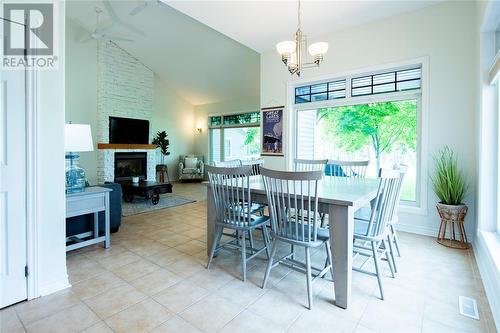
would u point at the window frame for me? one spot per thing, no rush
(422, 96)
(223, 126)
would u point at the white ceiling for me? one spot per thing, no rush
(207, 51)
(261, 24)
(199, 63)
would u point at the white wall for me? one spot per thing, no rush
(81, 88)
(50, 245)
(444, 33)
(202, 112)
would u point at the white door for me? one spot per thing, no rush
(12, 187)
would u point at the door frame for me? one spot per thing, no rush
(32, 233)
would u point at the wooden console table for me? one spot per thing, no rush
(93, 200)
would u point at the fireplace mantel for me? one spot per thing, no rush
(124, 146)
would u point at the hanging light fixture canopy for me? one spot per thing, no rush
(293, 53)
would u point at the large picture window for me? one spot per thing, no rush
(234, 136)
(378, 121)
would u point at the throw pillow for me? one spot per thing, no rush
(190, 162)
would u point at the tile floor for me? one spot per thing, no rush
(153, 279)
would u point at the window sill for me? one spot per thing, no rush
(414, 210)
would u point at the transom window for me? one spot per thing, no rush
(363, 85)
(320, 92)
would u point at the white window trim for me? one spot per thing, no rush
(421, 208)
(222, 127)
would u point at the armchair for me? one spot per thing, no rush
(191, 167)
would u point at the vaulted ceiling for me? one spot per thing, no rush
(261, 24)
(199, 63)
(208, 51)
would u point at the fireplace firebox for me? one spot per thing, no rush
(128, 163)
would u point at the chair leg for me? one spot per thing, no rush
(377, 268)
(309, 277)
(395, 239)
(266, 241)
(244, 255)
(269, 264)
(388, 258)
(250, 237)
(391, 252)
(217, 237)
(329, 258)
(292, 249)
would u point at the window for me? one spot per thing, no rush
(367, 125)
(320, 92)
(384, 133)
(227, 149)
(386, 82)
(234, 136)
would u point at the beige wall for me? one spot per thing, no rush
(81, 88)
(447, 35)
(174, 115)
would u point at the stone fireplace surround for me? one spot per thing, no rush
(125, 89)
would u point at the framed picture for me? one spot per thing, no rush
(272, 131)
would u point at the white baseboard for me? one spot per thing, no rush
(54, 286)
(417, 229)
(489, 270)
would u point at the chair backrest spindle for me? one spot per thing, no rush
(293, 203)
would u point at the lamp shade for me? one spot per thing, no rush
(286, 47)
(77, 138)
(319, 48)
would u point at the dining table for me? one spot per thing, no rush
(339, 198)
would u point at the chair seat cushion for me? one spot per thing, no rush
(190, 170)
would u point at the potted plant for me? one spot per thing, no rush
(450, 186)
(134, 172)
(161, 141)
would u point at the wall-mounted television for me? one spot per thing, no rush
(128, 130)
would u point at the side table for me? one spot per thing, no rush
(93, 200)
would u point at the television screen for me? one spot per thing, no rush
(128, 131)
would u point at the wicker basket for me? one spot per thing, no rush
(452, 218)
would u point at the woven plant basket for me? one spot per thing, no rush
(452, 221)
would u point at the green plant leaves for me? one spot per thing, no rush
(448, 182)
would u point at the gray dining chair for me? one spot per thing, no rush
(255, 164)
(339, 168)
(393, 236)
(309, 165)
(344, 168)
(287, 194)
(370, 236)
(231, 192)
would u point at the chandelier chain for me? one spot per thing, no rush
(298, 16)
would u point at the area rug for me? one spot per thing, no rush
(141, 205)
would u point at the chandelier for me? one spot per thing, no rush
(293, 53)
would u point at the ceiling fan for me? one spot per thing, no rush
(145, 4)
(100, 33)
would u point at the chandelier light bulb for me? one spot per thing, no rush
(286, 47)
(318, 49)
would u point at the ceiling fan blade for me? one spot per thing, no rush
(119, 39)
(112, 15)
(138, 9)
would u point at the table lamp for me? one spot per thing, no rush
(77, 138)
